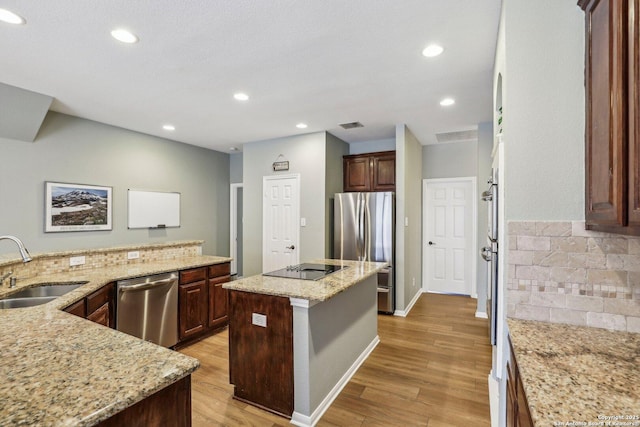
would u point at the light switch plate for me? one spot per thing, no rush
(77, 260)
(259, 319)
(303, 222)
(133, 255)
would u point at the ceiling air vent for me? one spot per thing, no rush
(465, 135)
(351, 125)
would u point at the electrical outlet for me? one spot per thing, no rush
(133, 255)
(259, 319)
(77, 260)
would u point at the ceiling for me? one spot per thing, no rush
(321, 62)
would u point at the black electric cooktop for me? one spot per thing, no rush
(305, 271)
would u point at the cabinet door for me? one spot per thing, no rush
(524, 416)
(100, 306)
(634, 116)
(101, 315)
(356, 170)
(218, 302)
(384, 172)
(192, 303)
(606, 113)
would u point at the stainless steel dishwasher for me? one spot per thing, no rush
(147, 308)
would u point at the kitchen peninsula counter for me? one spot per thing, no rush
(294, 344)
(577, 374)
(57, 369)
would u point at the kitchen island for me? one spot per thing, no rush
(294, 344)
(57, 369)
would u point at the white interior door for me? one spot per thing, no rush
(449, 235)
(281, 222)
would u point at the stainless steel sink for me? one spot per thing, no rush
(24, 302)
(47, 290)
(37, 295)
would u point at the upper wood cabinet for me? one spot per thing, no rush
(370, 172)
(612, 166)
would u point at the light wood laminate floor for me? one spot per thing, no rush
(430, 369)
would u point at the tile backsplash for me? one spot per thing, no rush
(58, 262)
(559, 272)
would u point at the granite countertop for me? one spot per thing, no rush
(578, 374)
(313, 290)
(57, 369)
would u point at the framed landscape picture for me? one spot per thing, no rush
(77, 207)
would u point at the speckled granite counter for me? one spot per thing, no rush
(57, 369)
(577, 374)
(313, 290)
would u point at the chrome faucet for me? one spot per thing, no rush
(24, 253)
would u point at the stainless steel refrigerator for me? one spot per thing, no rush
(364, 230)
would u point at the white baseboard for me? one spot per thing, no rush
(482, 315)
(302, 420)
(403, 313)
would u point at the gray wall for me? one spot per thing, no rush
(74, 150)
(544, 110)
(449, 160)
(336, 148)
(408, 205)
(306, 156)
(372, 146)
(235, 168)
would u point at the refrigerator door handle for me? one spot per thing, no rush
(361, 230)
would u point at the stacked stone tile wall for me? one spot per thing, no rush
(58, 262)
(559, 272)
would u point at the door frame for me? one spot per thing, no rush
(265, 179)
(474, 228)
(233, 225)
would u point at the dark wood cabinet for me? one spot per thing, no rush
(218, 296)
(612, 155)
(170, 406)
(78, 308)
(518, 414)
(99, 307)
(261, 357)
(370, 172)
(192, 301)
(202, 301)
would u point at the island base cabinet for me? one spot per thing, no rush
(261, 350)
(170, 406)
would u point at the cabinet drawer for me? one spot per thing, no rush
(219, 270)
(193, 275)
(99, 298)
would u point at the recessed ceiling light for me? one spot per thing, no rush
(447, 101)
(432, 50)
(169, 127)
(124, 36)
(301, 125)
(10, 17)
(241, 96)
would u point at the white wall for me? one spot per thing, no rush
(336, 148)
(73, 150)
(450, 160)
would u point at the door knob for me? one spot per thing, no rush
(292, 247)
(431, 243)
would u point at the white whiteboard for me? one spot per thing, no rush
(153, 209)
